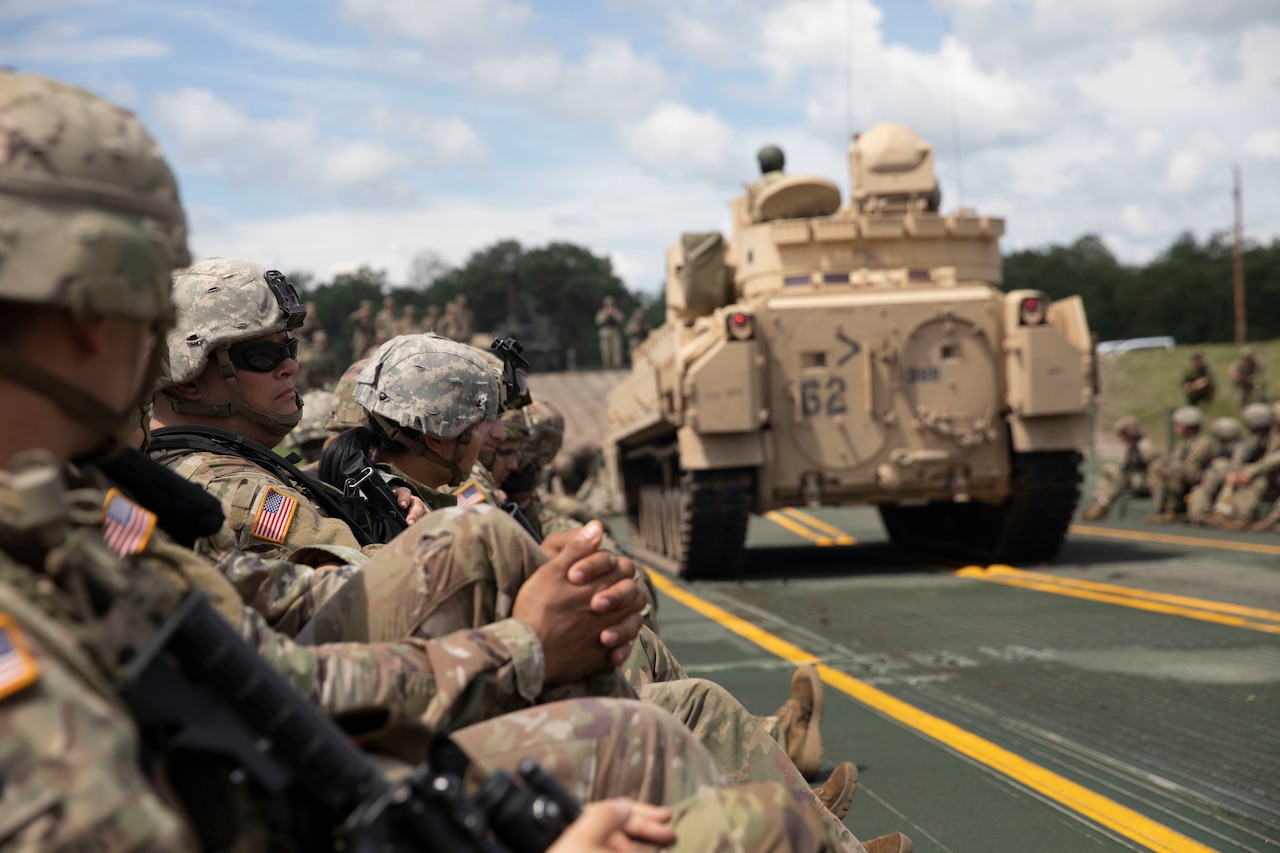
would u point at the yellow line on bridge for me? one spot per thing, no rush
(798, 529)
(1173, 539)
(806, 526)
(1094, 806)
(840, 537)
(1204, 610)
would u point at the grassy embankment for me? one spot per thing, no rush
(1148, 384)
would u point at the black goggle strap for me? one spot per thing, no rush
(75, 402)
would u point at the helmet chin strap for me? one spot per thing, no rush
(113, 427)
(412, 441)
(278, 425)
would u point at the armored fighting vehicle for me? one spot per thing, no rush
(838, 353)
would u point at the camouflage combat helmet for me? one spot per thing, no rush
(771, 159)
(1129, 426)
(428, 385)
(92, 224)
(1258, 417)
(221, 302)
(1188, 416)
(346, 412)
(515, 426)
(1225, 429)
(546, 426)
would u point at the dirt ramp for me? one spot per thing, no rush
(581, 395)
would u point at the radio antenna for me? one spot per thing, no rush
(848, 67)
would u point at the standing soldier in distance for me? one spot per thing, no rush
(466, 321)
(385, 322)
(1197, 382)
(1127, 477)
(637, 330)
(432, 320)
(609, 323)
(1247, 384)
(362, 330)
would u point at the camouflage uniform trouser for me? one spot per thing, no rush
(1201, 500)
(1168, 486)
(611, 347)
(601, 748)
(460, 568)
(1248, 502)
(1114, 481)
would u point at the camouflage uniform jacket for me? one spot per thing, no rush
(1190, 458)
(264, 514)
(1139, 456)
(1269, 464)
(92, 787)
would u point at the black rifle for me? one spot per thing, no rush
(211, 695)
(360, 477)
(513, 509)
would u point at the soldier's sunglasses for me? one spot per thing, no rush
(262, 356)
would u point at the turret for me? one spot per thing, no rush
(892, 171)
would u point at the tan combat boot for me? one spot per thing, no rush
(801, 720)
(895, 843)
(1096, 512)
(836, 792)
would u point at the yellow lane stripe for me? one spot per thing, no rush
(1095, 807)
(798, 529)
(1151, 595)
(841, 538)
(979, 573)
(1173, 539)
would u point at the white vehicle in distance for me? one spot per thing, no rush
(1121, 347)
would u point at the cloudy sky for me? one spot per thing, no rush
(326, 134)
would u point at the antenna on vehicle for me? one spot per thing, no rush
(848, 67)
(955, 125)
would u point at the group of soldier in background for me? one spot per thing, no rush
(320, 366)
(1225, 474)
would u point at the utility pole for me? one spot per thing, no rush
(1238, 262)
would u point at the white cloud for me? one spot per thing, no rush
(1264, 144)
(205, 133)
(433, 23)
(678, 142)
(613, 210)
(611, 82)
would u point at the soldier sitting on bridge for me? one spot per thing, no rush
(1252, 485)
(1128, 477)
(1172, 477)
(1211, 501)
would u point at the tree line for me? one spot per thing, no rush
(547, 296)
(1185, 291)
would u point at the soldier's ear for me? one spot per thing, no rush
(187, 392)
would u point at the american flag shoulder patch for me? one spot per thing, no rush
(469, 494)
(275, 514)
(126, 527)
(18, 667)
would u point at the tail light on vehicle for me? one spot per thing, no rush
(1031, 310)
(741, 327)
